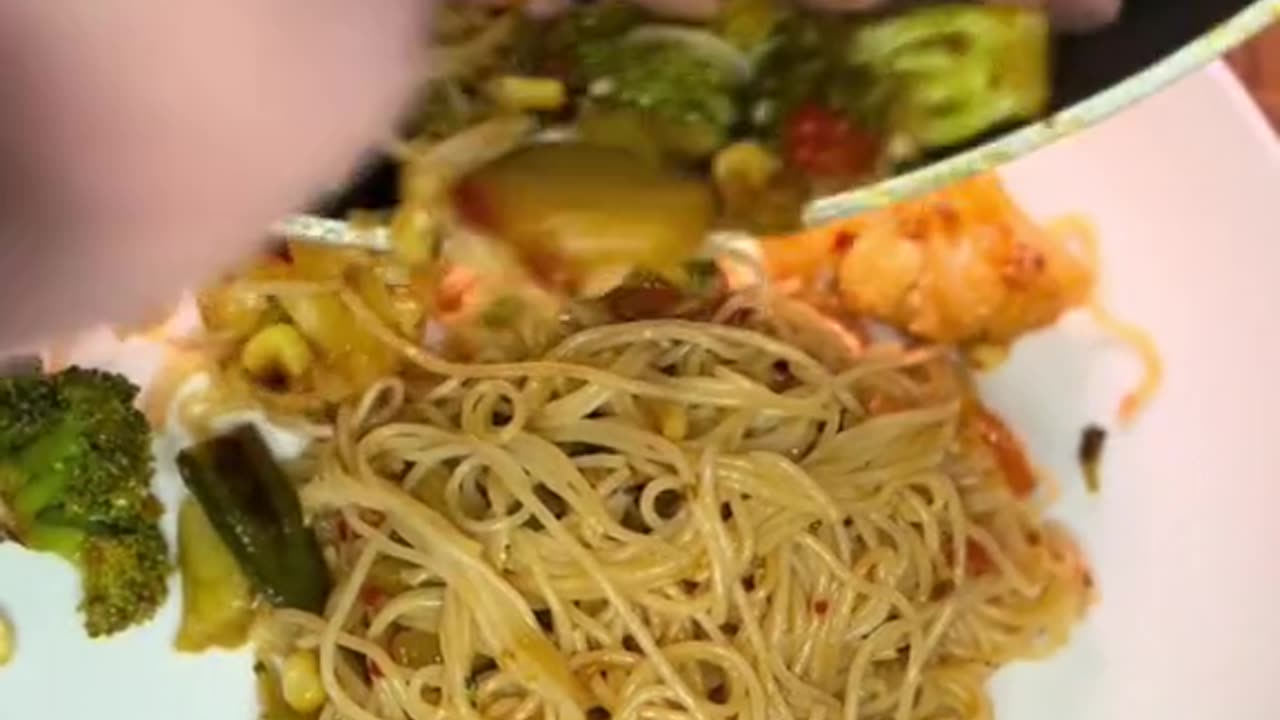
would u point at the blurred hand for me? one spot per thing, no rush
(147, 144)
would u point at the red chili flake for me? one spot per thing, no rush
(1007, 450)
(373, 597)
(1024, 266)
(820, 607)
(881, 404)
(948, 217)
(978, 561)
(843, 241)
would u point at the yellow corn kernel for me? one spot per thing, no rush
(300, 682)
(217, 599)
(6, 641)
(673, 423)
(744, 166)
(232, 310)
(277, 350)
(528, 93)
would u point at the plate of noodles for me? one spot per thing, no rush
(994, 453)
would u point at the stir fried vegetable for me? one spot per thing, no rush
(256, 512)
(577, 211)
(952, 72)
(292, 332)
(217, 598)
(75, 477)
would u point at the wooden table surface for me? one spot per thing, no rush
(1258, 64)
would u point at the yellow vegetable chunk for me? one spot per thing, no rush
(300, 682)
(217, 600)
(349, 351)
(572, 210)
(233, 310)
(6, 641)
(277, 351)
(515, 92)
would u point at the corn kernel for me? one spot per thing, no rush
(528, 93)
(6, 641)
(745, 165)
(673, 423)
(232, 310)
(300, 682)
(277, 350)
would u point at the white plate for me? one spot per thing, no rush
(1183, 190)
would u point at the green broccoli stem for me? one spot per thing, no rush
(44, 463)
(256, 512)
(62, 540)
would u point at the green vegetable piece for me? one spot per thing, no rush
(502, 312)
(62, 540)
(576, 45)
(75, 476)
(30, 403)
(805, 65)
(679, 99)
(687, 100)
(124, 579)
(952, 72)
(256, 512)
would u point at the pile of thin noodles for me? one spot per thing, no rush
(671, 520)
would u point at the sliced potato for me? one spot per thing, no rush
(217, 599)
(574, 209)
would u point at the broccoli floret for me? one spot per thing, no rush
(575, 45)
(75, 476)
(920, 80)
(684, 97)
(27, 405)
(688, 99)
(951, 72)
(125, 579)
